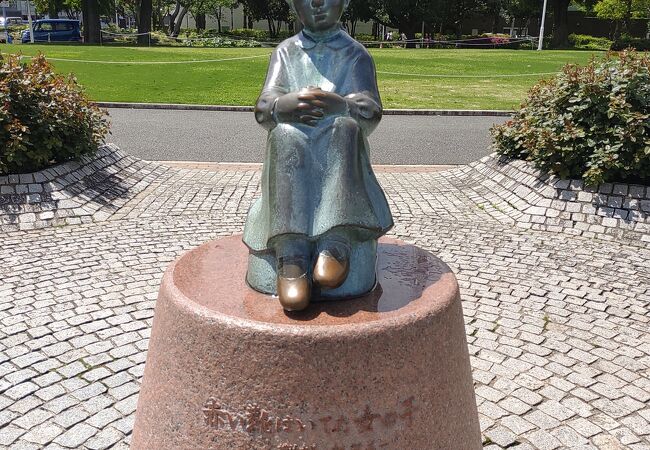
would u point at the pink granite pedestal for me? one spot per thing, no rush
(227, 368)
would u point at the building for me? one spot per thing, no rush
(17, 8)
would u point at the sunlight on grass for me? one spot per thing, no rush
(439, 79)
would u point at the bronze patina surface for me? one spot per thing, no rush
(321, 204)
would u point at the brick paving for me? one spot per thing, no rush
(557, 317)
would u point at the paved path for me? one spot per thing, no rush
(160, 135)
(557, 324)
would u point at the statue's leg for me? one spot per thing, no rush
(288, 181)
(344, 151)
(288, 196)
(346, 259)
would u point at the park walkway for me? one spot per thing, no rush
(557, 312)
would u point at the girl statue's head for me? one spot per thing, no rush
(319, 15)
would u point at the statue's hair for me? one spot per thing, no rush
(290, 2)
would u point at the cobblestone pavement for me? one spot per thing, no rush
(557, 323)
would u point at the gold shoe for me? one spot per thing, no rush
(331, 269)
(294, 287)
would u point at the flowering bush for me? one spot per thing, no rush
(45, 118)
(588, 122)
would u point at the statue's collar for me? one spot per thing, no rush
(335, 40)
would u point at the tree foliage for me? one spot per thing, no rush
(622, 12)
(274, 12)
(407, 16)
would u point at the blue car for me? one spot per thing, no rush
(54, 30)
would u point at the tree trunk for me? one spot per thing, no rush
(199, 19)
(617, 31)
(496, 20)
(179, 22)
(627, 22)
(560, 23)
(353, 28)
(271, 27)
(92, 28)
(172, 18)
(144, 22)
(219, 16)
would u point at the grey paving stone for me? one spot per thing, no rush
(584, 427)
(517, 425)
(10, 434)
(569, 437)
(501, 436)
(104, 417)
(42, 434)
(557, 321)
(76, 436)
(71, 416)
(543, 440)
(104, 439)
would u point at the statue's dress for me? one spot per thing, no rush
(316, 179)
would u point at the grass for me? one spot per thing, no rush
(439, 79)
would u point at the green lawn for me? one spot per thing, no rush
(440, 79)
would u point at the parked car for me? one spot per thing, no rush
(54, 30)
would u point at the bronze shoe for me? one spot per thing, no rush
(294, 286)
(332, 267)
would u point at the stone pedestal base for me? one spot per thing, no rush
(227, 368)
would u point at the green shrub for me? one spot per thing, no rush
(221, 42)
(586, 42)
(259, 35)
(629, 42)
(45, 118)
(588, 122)
(362, 37)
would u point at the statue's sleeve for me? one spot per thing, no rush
(363, 99)
(276, 85)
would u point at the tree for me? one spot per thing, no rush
(406, 15)
(622, 12)
(458, 11)
(493, 10)
(53, 7)
(144, 21)
(176, 18)
(217, 7)
(358, 11)
(91, 25)
(275, 12)
(560, 23)
(521, 10)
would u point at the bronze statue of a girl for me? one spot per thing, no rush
(314, 232)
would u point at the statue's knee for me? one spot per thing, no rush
(346, 125)
(287, 145)
(287, 132)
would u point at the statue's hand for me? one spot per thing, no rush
(298, 107)
(329, 102)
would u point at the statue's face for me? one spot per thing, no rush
(320, 15)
